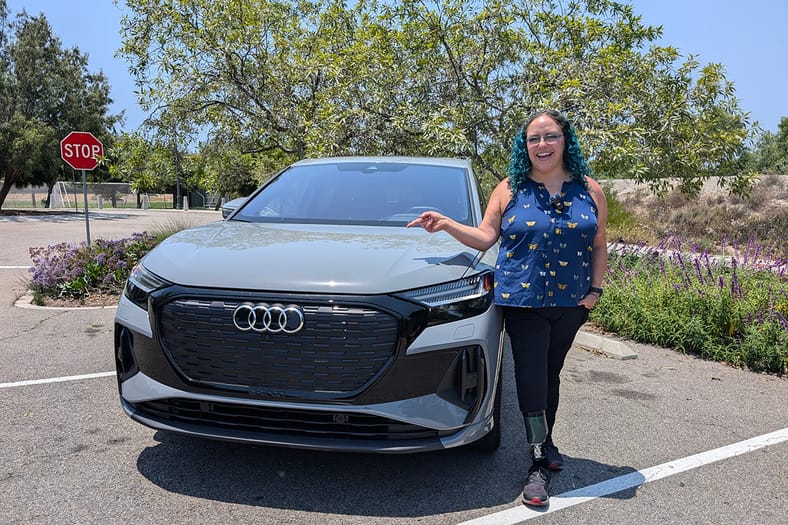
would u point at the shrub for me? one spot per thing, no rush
(622, 224)
(171, 226)
(76, 271)
(725, 309)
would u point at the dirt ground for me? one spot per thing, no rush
(90, 300)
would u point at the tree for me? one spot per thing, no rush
(132, 161)
(443, 77)
(153, 164)
(227, 171)
(770, 154)
(45, 92)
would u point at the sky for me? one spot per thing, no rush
(747, 36)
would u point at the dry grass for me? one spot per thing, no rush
(708, 220)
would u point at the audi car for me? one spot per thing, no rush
(313, 317)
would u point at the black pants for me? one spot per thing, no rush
(541, 338)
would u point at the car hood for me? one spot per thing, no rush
(311, 258)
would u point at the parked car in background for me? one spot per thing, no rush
(231, 205)
(314, 318)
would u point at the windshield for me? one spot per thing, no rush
(386, 193)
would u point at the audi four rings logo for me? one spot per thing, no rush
(264, 318)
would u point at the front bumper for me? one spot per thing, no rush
(349, 429)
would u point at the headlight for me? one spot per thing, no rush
(455, 300)
(140, 285)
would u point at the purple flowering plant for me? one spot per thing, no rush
(729, 308)
(78, 270)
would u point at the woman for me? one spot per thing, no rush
(551, 218)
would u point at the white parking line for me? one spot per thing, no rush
(628, 481)
(56, 379)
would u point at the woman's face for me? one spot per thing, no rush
(545, 141)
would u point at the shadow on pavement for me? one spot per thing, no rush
(66, 217)
(415, 485)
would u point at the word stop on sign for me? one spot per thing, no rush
(81, 151)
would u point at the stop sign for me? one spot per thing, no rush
(81, 150)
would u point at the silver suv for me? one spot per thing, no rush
(312, 317)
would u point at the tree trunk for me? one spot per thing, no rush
(50, 188)
(8, 180)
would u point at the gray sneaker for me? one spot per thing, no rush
(554, 460)
(535, 490)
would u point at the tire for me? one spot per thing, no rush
(492, 440)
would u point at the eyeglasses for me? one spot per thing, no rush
(551, 138)
(557, 202)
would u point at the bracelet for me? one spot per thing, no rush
(595, 290)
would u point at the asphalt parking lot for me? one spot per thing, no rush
(663, 438)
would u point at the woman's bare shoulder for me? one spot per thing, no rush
(597, 193)
(595, 187)
(499, 198)
(503, 186)
(502, 192)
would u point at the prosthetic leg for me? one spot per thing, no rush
(535, 490)
(536, 433)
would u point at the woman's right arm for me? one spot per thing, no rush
(479, 238)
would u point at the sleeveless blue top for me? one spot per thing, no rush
(545, 254)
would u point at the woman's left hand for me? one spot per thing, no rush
(589, 300)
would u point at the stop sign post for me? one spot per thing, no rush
(81, 150)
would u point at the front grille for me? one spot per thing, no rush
(229, 418)
(338, 351)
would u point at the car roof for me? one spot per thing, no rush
(437, 161)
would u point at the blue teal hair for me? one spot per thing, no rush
(520, 164)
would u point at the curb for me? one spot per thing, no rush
(26, 301)
(603, 345)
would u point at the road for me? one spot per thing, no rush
(653, 428)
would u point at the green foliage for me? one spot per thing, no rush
(229, 171)
(154, 164)
(442, 78)
(45, 92)
(147, 166)
(770, 155)
(725, 312)
(622, 224)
